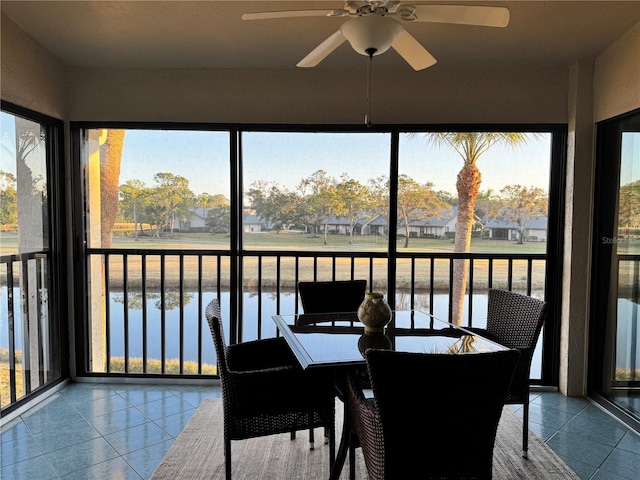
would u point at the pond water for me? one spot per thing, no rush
(255, 326)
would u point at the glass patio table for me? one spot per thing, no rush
(337, 342)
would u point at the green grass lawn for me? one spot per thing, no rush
(297, 241)
(271, 269)
(305, 241)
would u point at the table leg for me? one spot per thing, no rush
(343, 449)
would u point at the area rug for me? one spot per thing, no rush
(198, 454)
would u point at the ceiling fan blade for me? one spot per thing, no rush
(463, 14)
(295, 13)
(322, 51)
(412, 51)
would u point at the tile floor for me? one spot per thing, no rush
(106, 431)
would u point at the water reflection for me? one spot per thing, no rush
(465, 344)
(185, 323)
(376, 340)
(171, 299)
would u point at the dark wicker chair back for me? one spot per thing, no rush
(433, 415)
(212, 314)
(334, 296)
(515, 321)
(265, 391)
(514, 318)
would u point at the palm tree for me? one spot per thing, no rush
(111, 145)
(470, 146)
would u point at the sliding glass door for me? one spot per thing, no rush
(615, 367)
(31, 347)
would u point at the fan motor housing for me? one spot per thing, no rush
(371, 33)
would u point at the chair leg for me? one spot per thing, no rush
(227, 459)
(525, 429)
(332, 448)
(293, 434)
(352, 458)
(311, 435)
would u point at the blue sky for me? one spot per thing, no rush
(202, 158)
(630, 164)
(287, 158)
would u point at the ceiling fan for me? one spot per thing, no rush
(376, 25)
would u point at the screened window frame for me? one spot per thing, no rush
(555, 240)
(56, 249)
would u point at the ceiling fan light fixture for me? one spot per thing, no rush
(371, 33)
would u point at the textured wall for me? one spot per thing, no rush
(31, 76)
(617, 77)
(577, 231)
(319, 96)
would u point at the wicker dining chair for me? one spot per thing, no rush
(332, 296)
(265, 391)
(515, 321)
(431, 415)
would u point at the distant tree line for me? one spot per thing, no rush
(316, 201)
(320, 198)
(629, 206)
(164, 203)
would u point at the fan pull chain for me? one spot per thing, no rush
(367, 115)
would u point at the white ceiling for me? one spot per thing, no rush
(211, 34)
